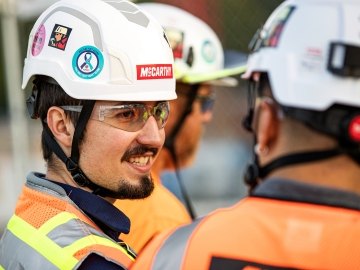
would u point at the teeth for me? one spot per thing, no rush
(139, 161)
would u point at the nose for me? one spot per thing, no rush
(150, 134)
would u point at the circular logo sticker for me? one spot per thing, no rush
(208, 51)
(38, 41)
(88, 62)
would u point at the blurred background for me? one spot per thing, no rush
(215, 180)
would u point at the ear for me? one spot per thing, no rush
(60, 126)
(268, 123)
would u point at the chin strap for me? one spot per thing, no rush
(254, 171)
(72, 163)
(183, 191)
(170, 145)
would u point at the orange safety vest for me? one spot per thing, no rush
(160, 211)
(48, 231)
(261, 233)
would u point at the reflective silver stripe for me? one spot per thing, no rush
(75, 230)
(17, 255)
(171, 253)
(94, 27)
(132, 13)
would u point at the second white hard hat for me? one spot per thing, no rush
(198, 52)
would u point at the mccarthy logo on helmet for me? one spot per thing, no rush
(155, 71)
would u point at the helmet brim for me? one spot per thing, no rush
(234, 64)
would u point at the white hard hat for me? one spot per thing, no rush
(198, 53)
(310, 50)
(112, 51)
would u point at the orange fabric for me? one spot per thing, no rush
(271, 233)
(30, 199)
(36, 208)
(46, 208)
(150, 216)
(111, 253)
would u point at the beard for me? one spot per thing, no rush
(123, 188)
(131, 192)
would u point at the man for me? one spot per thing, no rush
(199, 63)
(304, 208)
(103, 104)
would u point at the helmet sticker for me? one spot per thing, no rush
(208, 51)
(276, 28)
(38, 41)
(155, 71)
(270, 36)
(59, 36)
(176, 40)
(88, 62)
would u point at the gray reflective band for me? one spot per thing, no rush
(29, 258)
(94, 27)
(72, 234)
(132, 13)
(171, 253)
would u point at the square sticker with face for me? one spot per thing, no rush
(59, 36)
(176, 41)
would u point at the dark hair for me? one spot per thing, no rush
(334, 121)
(51, 94)
(264, 88)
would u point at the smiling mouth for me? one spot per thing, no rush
(140, 161)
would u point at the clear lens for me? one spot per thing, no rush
(129, 117)
(207, 102)
(132, 117)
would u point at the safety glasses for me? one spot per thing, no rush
(206, 102)
(128, 117)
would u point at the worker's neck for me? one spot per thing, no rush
(339, 172)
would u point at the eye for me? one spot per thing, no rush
(159, 112)
(123, 115)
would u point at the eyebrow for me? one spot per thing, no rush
(119, 103)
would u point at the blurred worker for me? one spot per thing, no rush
(304, 209)
(199, 63)
(103, 104)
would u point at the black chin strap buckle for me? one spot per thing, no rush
(32, 104)
(251, 175)
(80, 178)
(76, 173)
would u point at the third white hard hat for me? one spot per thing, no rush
(310, 50)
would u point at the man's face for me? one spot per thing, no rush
(188, 139)
(58, 36)
(117, 159)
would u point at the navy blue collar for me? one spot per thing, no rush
(111, 220)
(292, 190)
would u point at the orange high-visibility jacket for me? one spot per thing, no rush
(48, 231)
(318, 229)
(160, 211)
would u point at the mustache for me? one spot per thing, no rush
(138, 151)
